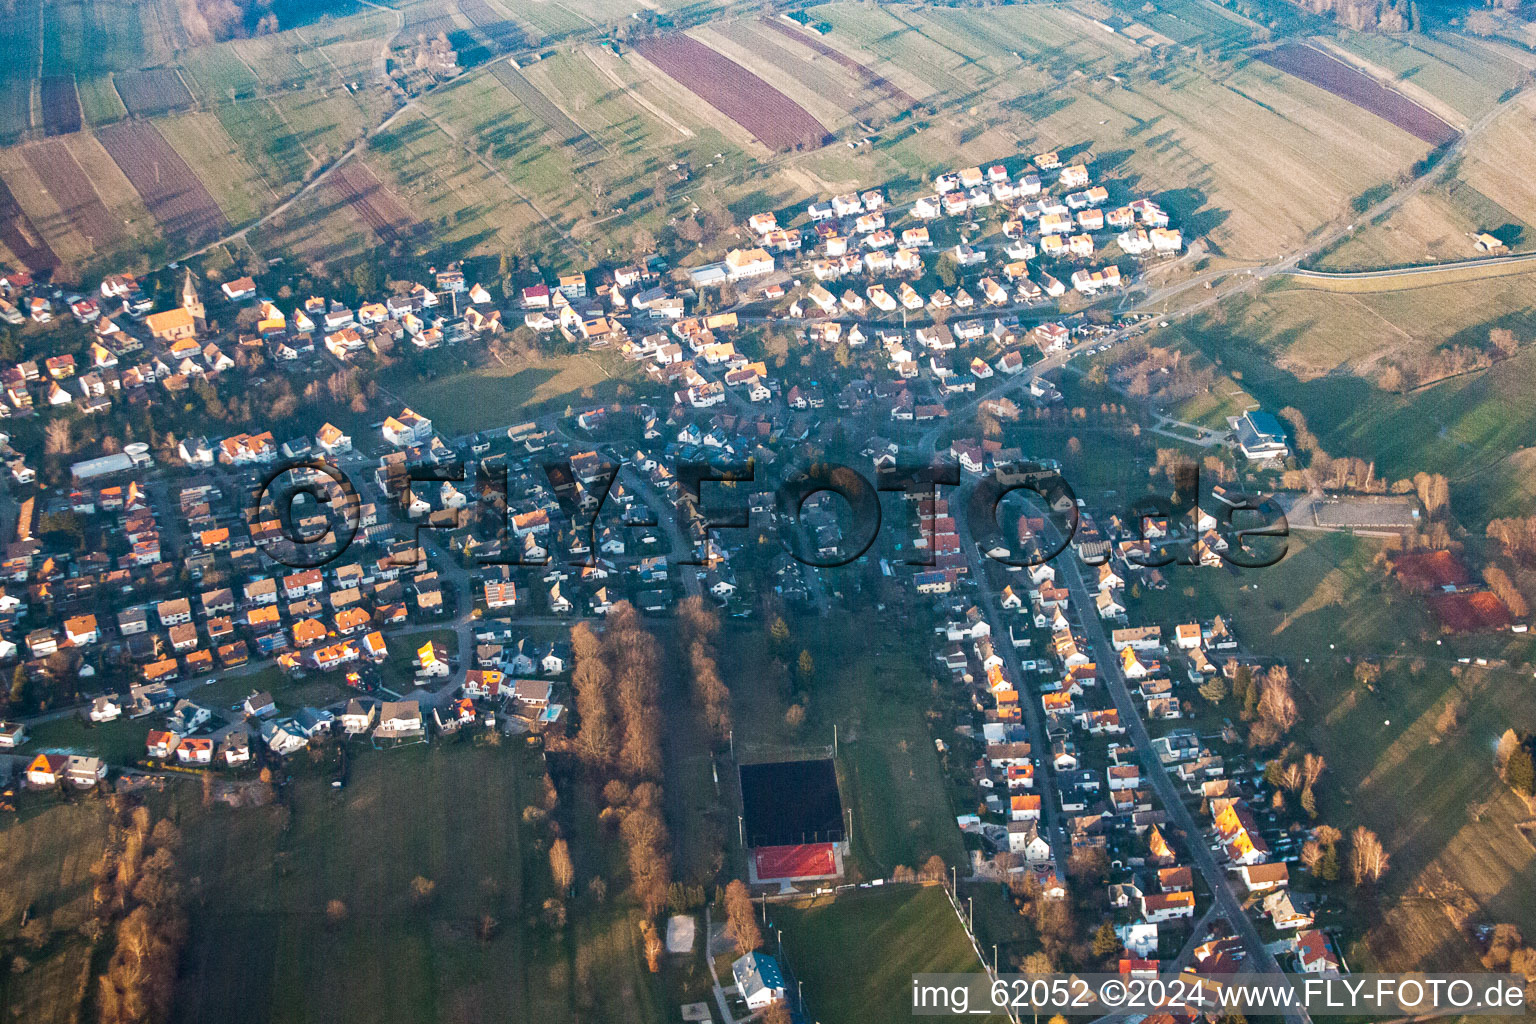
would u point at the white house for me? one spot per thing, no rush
(407, 429)
(106, 709)
(759, 980)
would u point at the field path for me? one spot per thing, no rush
(381, 59)
(1251, 278)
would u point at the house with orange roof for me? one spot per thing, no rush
(1024, 807)
(307, 632)
(161, 744)
(47, 770)
(1159, 907)
(195, 750)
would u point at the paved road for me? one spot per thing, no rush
(1051, 822)
(1432, 268)
(1225, 896)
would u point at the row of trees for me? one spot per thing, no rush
(1517, 536)
(618, 689)
(137, 887)
(700, 624)
(1514, 763)
(1348, 473)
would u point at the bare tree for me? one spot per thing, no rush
(1367, 858)
(740, 918)
(1312, 766)
(560, 866)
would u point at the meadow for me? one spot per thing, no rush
(500, 394)
(1319, 352)
(876, 985)
(874, 690)
(262, 946)
(46, 853)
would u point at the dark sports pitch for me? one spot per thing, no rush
(790, 802)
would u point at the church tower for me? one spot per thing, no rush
(190, 302)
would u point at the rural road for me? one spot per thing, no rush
(1428, 268)
(1290, 265)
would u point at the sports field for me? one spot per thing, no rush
(889, 775)
(875, 985)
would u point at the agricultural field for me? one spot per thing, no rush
(99, 102)
(1331, 74)
(268, 143)
(551, 116)
(619, 121)
(580, 142)
(148, 93)
(879, 83)
(61, 105)
(823, 89)
(1030, 78)
(79, 205)
(469, 200)
(20, 52)
(1482, 191)
(1463, 74)
(382, 212)
(773, 118)
(881, 925)
(21, 237)
(76, 199)
(215, 158)
(33, 189)
(91, 36)
(172, 193)
(502, 32)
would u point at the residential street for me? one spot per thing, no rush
(1222, 888)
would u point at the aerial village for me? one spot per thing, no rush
(434, 589)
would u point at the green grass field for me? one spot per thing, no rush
(262, 947)
(876, 692)
(856, 953)
(1296, 347)
(497, 395)
(46, 852)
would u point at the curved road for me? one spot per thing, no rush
(1428, 268)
